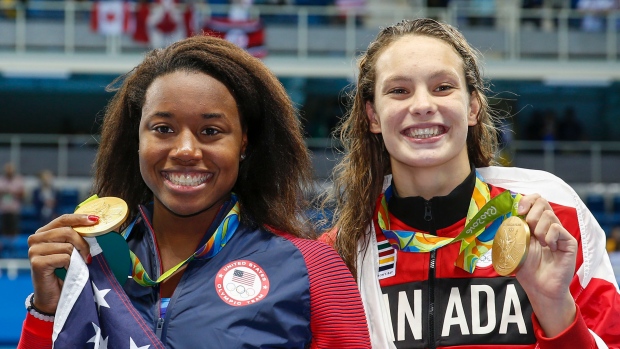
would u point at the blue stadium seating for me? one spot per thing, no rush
(29, 220)
(68, 199)
(615, 211)
(596, 203)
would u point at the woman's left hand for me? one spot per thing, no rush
(549, 267)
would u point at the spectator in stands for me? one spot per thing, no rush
(542, 19)
(418, 206)
(550, 126)
(9, 8)
(542, 126)
(569, 128)
(613, 241)
(595, 12)
(202, 142)
(44, 197)
(505, 140)
(11, 197)
(534, 126)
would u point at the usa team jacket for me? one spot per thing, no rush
(424, 301)
(307, 298)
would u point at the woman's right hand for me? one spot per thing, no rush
(50, 247)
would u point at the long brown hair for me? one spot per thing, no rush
(277, 170)
(358, 178)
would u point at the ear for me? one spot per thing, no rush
(373, 119)
(244, 142)
(474, 109)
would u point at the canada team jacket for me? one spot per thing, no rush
(307, 298)
(427, 302)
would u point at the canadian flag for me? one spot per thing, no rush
(140, 33)
(110, 17)
(165, 24)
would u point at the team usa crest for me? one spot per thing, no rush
(241, 283)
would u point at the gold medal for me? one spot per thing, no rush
(111, 211)
(510, 245)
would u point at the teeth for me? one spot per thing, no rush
(422, 133)
(186, 179)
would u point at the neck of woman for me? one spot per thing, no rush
(431, 181)
(178, 237)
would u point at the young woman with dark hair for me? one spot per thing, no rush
(203, 144)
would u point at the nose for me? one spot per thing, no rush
(186, 148)
(422, 103)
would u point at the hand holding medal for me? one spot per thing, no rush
(52, 245)
(112, 213)
(542, 254)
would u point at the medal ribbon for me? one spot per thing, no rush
(218, 240)
(476, 239)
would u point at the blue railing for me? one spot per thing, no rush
(507, 33)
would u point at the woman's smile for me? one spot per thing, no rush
(424, 133)
(186, 179)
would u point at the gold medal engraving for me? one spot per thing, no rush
(510, 245)
(111, 211)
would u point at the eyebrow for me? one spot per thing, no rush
(213, 115)
(434, 75)
(397, 78)
(443, 72)
(164, 114)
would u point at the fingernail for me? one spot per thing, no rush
(93, 218)
(89, 259)
(520, 208)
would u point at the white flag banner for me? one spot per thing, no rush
(110, 17)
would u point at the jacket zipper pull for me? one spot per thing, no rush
(427, 211)
(160, 326)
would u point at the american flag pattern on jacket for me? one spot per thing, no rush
(94, 311)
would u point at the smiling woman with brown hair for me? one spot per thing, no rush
(418, 209)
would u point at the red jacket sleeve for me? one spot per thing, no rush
(593, 286)
(36, 334)
(599, 306)
(577, 332)
(337, 318)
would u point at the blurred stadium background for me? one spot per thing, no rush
(553, 65)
